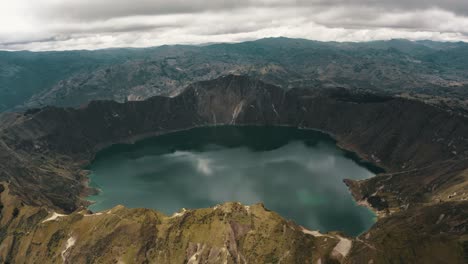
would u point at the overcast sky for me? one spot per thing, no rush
(93, 24)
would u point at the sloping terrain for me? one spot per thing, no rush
(422, 196)
(73, 78)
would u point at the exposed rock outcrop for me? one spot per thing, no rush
(424, 150)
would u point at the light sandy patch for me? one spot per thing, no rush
(313, 233)
(70, 243)
(237, 111)
(274, 110)
(96, 214)
(342, 248)
(178, 214)
(53, 217)
(194, 259)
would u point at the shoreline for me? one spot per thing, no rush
(357, 157)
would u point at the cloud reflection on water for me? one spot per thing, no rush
(301, 182)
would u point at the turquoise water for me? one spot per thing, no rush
(297, 173)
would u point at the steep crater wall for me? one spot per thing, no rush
(424, 149)
(396, 134)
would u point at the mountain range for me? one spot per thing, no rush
(434, 72)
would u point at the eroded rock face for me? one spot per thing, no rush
(43, 152)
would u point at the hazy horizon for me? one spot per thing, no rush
(237, 42)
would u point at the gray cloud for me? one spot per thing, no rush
(50, 24)
(104, 9)
(455, 6)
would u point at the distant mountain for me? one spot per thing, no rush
(71, 78)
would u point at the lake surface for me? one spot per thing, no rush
(297, 173)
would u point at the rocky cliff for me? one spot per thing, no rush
(424, 150)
